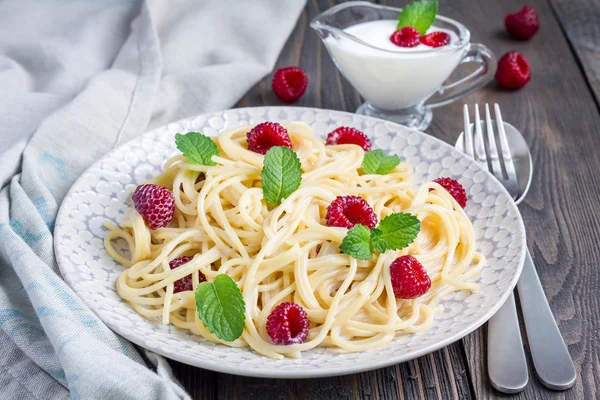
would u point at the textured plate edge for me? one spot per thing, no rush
(325, 372)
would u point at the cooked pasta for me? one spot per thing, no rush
(286, 253)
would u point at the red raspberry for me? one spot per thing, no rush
(436, 39)
(523, 24)
(454, 188)
(289, 83)
(409, 278)
(347, 211)
(406, 37)
(287, 324)
(266, 135)
(347, 135)
(513, 71)
(184, 283)
(155, 204)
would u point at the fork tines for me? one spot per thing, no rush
(498, 161)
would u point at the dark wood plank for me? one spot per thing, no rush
(580, 20)
(433, 376)
(560, 121)
(200, 383)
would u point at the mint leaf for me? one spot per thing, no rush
(378, 244)
(420, 15)
(395, 232)
(197, 148)
(221, 307)
(377, 162)
(357, 242)
(281, 174)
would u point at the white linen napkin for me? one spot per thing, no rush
(78, 77)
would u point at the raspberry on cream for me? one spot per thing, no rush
(406, 37)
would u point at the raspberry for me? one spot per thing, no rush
(523, 24)
(406, 37)
(347, 135)
(184, 283)
(513, 71)
(266, 135)
(289, 83)
(155, 204)
(454, 188)
(409, 278)
(347, 211)
(287, 324)
(436, 39)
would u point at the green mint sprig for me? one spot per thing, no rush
(281, 174)
(197, 148)
(420, 15)
(394, 232)
(357, 242)
(221, 307)
(377, 162)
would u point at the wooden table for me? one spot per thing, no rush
(558, 112)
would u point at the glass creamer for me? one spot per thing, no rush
(397, 82)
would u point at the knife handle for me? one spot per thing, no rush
(551, 358)
(507, 367)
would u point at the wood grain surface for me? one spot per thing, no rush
(559, 117)
(580, 20)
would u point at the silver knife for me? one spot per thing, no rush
(551, 359)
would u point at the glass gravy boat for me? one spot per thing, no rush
(397, 84)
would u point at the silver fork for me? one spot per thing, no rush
(507, 367)
(508, 177)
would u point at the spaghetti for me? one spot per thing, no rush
(287, 253)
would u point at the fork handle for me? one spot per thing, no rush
(551, 358)
(507, 367)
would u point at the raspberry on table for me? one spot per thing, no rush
(266, 135)
(409, 278)
(289, 83)
(513, 71)
(406, 37)
(436, 39)
(455, 189)
(184, 283)
(523, 24)
(347, 211)
(155, 204)
(287, 324)
(347, 135)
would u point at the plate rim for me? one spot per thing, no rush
(295, 373)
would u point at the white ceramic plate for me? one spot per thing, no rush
(104, 190)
